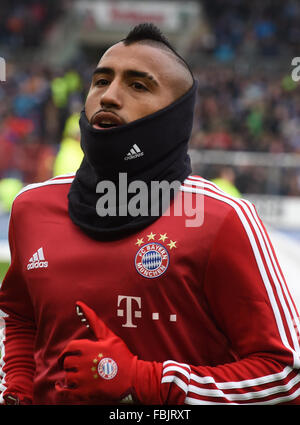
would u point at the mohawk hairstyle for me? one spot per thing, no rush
(148, 32)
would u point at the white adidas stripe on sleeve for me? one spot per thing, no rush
(242, 209)
(64, 179)
(274, 385)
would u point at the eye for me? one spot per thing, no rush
(138, 86)
(101, 82)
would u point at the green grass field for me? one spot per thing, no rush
(3, 270)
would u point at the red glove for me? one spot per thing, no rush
(105, 370)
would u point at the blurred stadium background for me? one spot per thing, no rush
(247, 123)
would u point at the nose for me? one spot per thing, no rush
(112, 96)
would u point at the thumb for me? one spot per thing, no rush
(92, 321)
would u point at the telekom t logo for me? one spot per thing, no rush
(129, 303)
(132, 309)
(2, 69)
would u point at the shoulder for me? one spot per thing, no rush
(51, 191)
(210, 191)
(36, 189)
(217, 202)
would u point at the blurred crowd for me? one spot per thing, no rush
(256, 111)
(24, 23)
(36, 106)
(250, 108)
(265, 28)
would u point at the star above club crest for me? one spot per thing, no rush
(100, 355)
(172, 244)
(163, 237)
(140, 241)
(94, 368)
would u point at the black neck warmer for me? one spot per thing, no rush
(161, 144)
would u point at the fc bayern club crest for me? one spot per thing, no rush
(107, 368)
(152, 260)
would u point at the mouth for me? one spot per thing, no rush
(105, 120)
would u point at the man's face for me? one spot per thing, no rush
(131, 82)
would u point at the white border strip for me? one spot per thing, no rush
(266, 379)
(46, 183)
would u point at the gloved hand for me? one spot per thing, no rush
(105, 370)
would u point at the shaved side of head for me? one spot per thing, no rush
(150, 35)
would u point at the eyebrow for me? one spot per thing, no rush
(131, 73)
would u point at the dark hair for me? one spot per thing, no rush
(146, 31)
(149, 32)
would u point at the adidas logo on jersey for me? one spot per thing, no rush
(134, 152)
(37, 260)
(127, 399)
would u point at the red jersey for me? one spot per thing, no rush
(209, 301)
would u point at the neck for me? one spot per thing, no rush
(151, 149)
